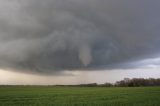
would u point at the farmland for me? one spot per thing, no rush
(78, 96)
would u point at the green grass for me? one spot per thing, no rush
(79, 96)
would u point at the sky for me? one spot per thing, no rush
(78, 41)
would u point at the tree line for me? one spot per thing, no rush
(126, 82)
(138, 82)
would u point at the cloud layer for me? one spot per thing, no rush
(53, 35)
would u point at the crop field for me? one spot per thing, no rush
(78, 96)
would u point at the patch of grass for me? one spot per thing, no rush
(79, 96)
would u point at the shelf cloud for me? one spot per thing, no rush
(47, 36)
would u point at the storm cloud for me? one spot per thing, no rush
(54, 35)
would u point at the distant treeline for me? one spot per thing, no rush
(138, 82)
(126, 82)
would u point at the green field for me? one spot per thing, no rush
(79, 96)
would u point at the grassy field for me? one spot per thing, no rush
(79, 96)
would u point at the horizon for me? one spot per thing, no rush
(15, 78)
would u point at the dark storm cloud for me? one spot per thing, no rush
(51, 35)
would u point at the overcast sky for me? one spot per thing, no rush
(78, 41)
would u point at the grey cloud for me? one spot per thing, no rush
(53, 35)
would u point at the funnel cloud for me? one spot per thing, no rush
(47, 36)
